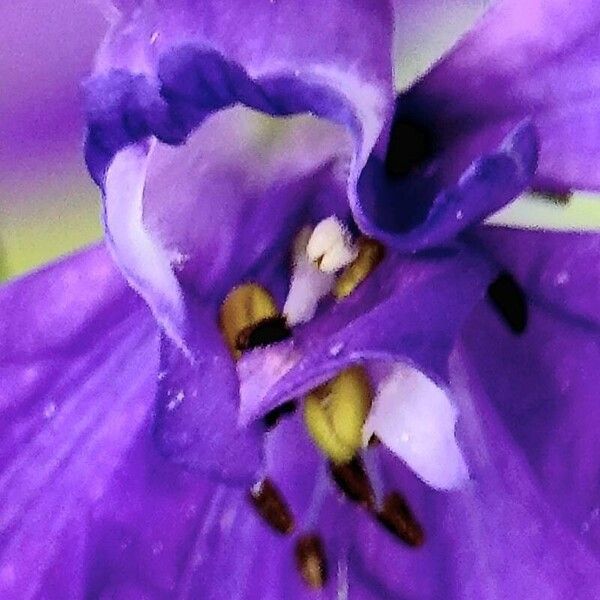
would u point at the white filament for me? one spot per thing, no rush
(308, 284)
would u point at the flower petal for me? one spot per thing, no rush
(197, 404)
(77, 379)
(501, 84)
(185, 60)
(543, 385)
(458, 190)
(499, 536)
(559, 270)
(415, 419)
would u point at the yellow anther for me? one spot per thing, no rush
(370, 254)
(244, 307)
(334, 413)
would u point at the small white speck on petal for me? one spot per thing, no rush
(176, 400)
(49, 410)
(415, 419)
(330, 246)
(336, 349)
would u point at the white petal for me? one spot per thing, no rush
(415, 419)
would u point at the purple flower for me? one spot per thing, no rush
(228, 451)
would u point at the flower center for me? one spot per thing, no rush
(326, 260)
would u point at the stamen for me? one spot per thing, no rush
(271, 506)
(244, 308)
(334, 413)
(397, 517)
(330, 246)
(373, 442)
(559, 198)
(352, 479)
(411, 145)
(370, 254)
(510, 302)
(273, 417)
(308, 284)
(311, 562)
(266, 332)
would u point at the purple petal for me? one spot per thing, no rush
(501, 84)
(559, 270)
(529, 523)
(146, 531)
(200, 61)
(425, 210)
(543, 383)
(197, 406)
(77, 379)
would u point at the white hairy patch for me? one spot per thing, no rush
(330, 246)
(415, 419)
(308, 284)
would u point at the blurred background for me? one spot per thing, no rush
(48, 205)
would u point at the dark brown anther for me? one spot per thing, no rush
(398, 519)
(509, 301)
(311, 562)
(266, 332)
(353, 480)
(271, 506)
(284, 410)
(559, 198)
(374, 441)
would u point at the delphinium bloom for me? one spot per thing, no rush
(353, 389)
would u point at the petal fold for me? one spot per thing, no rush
(77, 379)
(536, 60)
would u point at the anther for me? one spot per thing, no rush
(311, 561)
(373, 442)
(274, 416)
(245, 308)
(334, 413)
(370, 254)
(271, 506)
(397, 517)
(559, 198)
(411, 145)
(354, 482)
(265, 332)
(510, 302)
